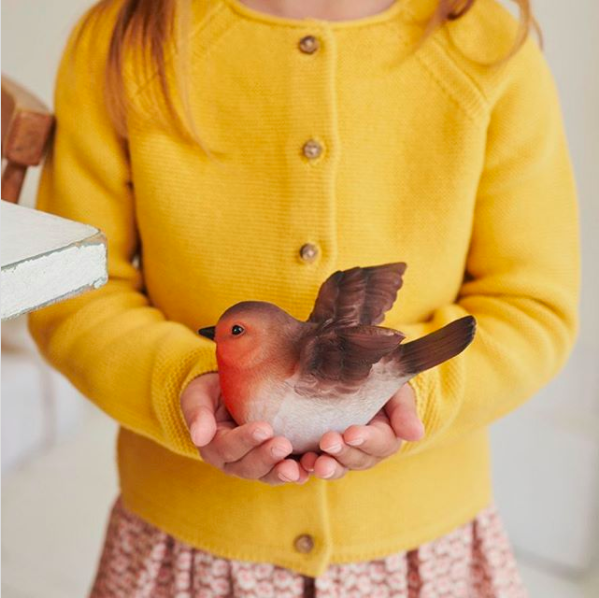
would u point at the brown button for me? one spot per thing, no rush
(308, 252)
(309, 44)
(304, 543)
(312, 149)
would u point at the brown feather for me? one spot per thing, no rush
(342, 356)
(437, 347)
(363, 346)
(344, 342)
(358, 295)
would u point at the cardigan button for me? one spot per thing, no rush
(309, 44)
(304, 543)
(312, 149)
(308, 252)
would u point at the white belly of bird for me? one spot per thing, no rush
(304, 420)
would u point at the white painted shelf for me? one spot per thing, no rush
(46, 258)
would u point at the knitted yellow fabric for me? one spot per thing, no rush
(429, 157)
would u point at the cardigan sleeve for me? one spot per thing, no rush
(522, 271)
(111, 342)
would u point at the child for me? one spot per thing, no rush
(247, 149)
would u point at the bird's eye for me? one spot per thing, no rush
(237, 330)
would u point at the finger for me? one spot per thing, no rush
(259, 461)
(328, 468)
(307, 461)
(333, 444)
(230, 445)
(202, 427)
(304, 475)
(283, 472)
(198, 405)
(403, 415)
(377, 439)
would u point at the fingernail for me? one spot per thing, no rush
(328, 474)
(285, 478)
(278, 452)
(260, 434)
(333, 449)
(355, 442)
(193, 432)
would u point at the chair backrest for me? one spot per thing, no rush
(26, 129)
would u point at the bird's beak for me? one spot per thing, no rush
(208, 332)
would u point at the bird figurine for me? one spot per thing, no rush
(334, 370)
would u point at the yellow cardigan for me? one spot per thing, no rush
(426, 156)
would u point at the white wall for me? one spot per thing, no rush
(33, 36)
(546, 454)
(40, 407)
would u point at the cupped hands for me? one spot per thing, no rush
(252, 451)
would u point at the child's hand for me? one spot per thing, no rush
(247, 451)
(362, 447)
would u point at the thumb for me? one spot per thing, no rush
(198, 405)
(403, 415)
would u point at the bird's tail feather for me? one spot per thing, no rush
(439, 346)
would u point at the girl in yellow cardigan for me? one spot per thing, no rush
(246, 149)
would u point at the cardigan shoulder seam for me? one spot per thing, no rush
(478, 83)
(479, 101)
(443, 46)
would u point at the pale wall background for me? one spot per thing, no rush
(57, 451)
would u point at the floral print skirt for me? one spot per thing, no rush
(140, 561)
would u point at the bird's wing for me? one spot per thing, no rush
(339, 359)
(359, 295)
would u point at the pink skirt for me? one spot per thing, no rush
(140, 561)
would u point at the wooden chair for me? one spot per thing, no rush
(26, 129)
